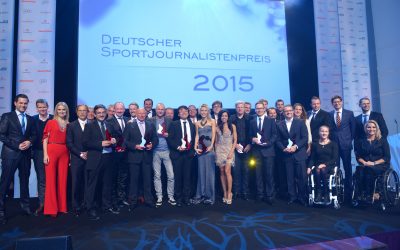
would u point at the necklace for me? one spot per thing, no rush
(203, 123)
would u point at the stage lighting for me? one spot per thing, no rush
(252, 162)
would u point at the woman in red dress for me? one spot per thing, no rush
(56, 158)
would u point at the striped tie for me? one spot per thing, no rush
(338, 119)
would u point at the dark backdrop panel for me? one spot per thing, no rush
(300, 39)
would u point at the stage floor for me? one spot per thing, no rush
(243, 225)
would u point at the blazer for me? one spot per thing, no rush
(75, 141)
(175, 136)
(376, 116)
(269, 134)
(133, 137)
(11, 135)
(92, 139)
(298, 134)
(321, 118)
(344, 134)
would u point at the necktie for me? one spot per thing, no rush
(338, 119)
(23, 123)
(364, 119)
(122, 123)
(184, 131)
(312, 116)
(259, 124)
(141, 128)
(103, 130)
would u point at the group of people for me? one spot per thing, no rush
(114, 160)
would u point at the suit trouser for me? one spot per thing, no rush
(280, 175)
(241, 174)
(8, 168)
(40, 173)
(78, 182)
(296, 177)
(265, 176)
(94, 177)
(345, 155)
(120, 178)
(135, 169)
(55, 199)
(182, 172)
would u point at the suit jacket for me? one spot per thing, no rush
(133, 137)
(298, 134)
(344, 134)
(11, 135)
(376, 116)
(75, 141)
(92, 139)
(269, 134)
(175, 136)
(321, 118)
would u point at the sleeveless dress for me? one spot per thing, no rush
(223, 145)
(206, 169)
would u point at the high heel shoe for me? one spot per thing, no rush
(229, 200)
(224, 200)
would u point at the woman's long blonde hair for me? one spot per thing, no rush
(56, 117)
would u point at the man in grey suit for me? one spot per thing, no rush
(343, 132)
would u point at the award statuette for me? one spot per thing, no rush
(162, 129)
(261, 139)
(240, 148)
(290, 143)
(202, 145)
(119, 145)
(145, 141)
(185, 144)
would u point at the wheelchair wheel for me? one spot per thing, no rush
(338, 189)
(391, 187)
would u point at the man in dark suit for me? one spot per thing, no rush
(263, 134)
(317, 118)
(181, 135)
(78, 158)
(140, 138)
(343, 133)
(116, 126)
(17, 133)
(367, 114)
(148, 106)
(98, 144)
(241, 169)
(292, 142)
(41, 120)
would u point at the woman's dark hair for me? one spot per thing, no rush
(221, 125)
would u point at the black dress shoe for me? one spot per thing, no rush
(77, 212)
(291, 201)
(303, 202)
(269, 201)
(39, 210)
(132, 207)
(27, 211)
(245, 197)
(112, 210)
(149, 204)
(179, 204)
(92, 215)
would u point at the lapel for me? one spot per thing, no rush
(291, 127)
(98, 129)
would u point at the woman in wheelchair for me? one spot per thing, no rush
(324, 154)
(373, 155)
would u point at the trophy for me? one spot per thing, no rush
(145, 141)
(185, 144)
(162, 129)
(240, 148)
(202, 145)
(261, 139)
(290, 143)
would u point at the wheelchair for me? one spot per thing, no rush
(385, 191)
(336, 189)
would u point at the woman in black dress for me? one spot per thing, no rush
(373, 155)
(324, 154)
